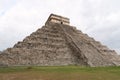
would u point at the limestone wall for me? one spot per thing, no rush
(58, 19)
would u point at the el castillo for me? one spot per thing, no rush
(58, 43)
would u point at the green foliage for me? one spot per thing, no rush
(61, 73)
(59, 69)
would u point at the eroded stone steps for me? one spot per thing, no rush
(96, 44)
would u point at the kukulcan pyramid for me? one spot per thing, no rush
(56, 44)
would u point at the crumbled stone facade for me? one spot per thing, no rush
(57, 44)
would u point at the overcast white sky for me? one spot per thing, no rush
(98, 18)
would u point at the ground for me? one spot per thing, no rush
(60, 73)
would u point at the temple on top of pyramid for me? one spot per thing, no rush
(58, 19)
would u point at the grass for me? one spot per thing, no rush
(60, 73)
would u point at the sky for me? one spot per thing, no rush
(99, 19)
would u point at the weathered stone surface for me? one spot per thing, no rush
(58, 44)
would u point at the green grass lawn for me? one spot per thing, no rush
(60, 73)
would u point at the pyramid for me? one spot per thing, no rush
(58, 43)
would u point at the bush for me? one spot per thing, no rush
(29, 68)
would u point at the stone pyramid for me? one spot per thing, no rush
(57, 43)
